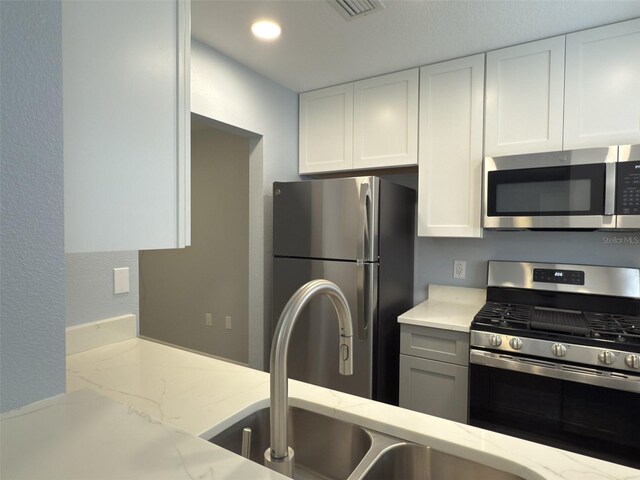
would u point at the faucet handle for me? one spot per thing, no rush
(345, 352)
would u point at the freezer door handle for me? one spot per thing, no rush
(364, 226)
(367, 296)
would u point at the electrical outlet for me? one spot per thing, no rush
(227, 322)
(459, 269)
(209, 320)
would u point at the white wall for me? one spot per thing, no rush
(228, 92)
(32, 342)
(89, 286)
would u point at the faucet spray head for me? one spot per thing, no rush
(346, 352)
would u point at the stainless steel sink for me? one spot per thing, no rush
(325, 448)
(415, 462)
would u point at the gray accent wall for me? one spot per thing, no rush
(179, 287)
(32, 325)
(89, 286)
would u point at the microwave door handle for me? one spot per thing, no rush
(610, 189)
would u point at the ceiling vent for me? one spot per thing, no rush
(352, 9)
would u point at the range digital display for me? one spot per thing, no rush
(566, 277)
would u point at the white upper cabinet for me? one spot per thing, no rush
(602, 94)
(126, 125)
(524, 98)
(372, 123)
(450, 165)
(326, 129)
(386, 120)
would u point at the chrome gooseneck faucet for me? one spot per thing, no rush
(279, 456)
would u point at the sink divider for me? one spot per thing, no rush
(380, 443)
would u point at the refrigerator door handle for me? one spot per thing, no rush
(364, 226)
(366, 295)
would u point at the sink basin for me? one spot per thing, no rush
(315, 438)
(330, 449)
(416, 462)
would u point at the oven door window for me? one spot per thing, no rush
(531, 192)
(595, 421)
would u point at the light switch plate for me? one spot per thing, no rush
(121, 280)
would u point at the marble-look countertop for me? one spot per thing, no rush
(203, 396)
(450, 308)
(86, 436)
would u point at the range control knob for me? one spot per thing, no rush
(495, 340)
(606, 357)
(632, 361)
(559, 350)
(515, 343)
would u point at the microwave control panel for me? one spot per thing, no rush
(628, 188)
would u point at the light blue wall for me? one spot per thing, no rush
(434, 256)
(89, 286)
(233, 95)
(32, 345)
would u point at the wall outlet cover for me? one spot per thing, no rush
(459, 269)
(120, 280)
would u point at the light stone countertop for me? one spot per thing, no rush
(449, 308)
(86, 436)
(202, 396)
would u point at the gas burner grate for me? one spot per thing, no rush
(504, 314)
(572, 323)
(621, 328)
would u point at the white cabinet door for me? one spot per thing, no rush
(326, 129)
(126, 125)
(450, 167)
(524, 98)
(386, 120)
(602, 93)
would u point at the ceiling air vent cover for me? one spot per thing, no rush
(351, 9)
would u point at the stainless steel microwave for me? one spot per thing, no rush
(597, 188)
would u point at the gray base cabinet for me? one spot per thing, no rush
(434, 373)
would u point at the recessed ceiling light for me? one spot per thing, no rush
(266, 29)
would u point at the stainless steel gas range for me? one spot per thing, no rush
(555, 357)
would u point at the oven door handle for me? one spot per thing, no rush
(602, 378)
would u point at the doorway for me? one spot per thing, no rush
(197, 298)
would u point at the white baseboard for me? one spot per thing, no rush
(168, 344)
(98, 334)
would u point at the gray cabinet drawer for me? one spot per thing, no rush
(435, 344)
(435, 388)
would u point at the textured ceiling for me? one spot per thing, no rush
(319, 48)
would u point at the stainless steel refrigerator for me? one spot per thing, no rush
(358, 233)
